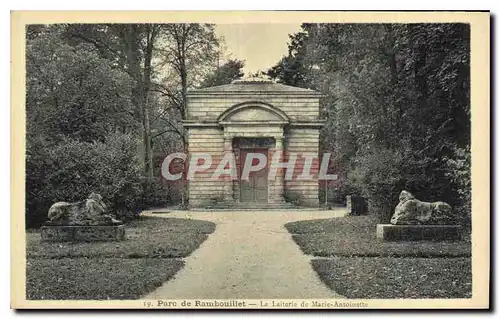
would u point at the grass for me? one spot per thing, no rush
(385, 277)
(148, 237)
(361, 266)
(112, 270)
(96, 278)
(356, 236)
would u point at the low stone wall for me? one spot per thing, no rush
(391, 232)
(82, 233)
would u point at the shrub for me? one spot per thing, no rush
(459, 171)
(155, 194)
(378, 176)
(38, 166)
(381, 174)
(71, 170)
(337, 191)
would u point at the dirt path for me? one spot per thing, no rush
(250, 255)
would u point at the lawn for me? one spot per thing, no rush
(151, 237)
(97, 278)
(356, 236)
(127, 269)
(388, 277)
(358, 265)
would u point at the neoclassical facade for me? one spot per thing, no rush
(247, 117)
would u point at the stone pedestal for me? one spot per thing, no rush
(356, 206)
(389, 232)
(82, 233)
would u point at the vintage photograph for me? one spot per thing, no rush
(250, 165)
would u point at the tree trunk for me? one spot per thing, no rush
(139, 92)
(148, 54)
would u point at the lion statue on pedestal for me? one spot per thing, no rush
(89, 212)
(411, 211)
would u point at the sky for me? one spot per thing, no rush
(261, 46)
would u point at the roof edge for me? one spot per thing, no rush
(252, 92)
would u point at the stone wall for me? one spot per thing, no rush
(303, 140)
(206, 140)
(257, 113)
(208, 108)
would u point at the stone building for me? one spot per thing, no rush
(253, 115)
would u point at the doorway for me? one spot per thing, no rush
(255, 189)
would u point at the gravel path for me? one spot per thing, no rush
(250, 255)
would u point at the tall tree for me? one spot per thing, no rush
(130, 47)
(395, 96)
(73, 92)
(190, 49)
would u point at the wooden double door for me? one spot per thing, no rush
(255, 189)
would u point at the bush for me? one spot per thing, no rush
(38, 166)
(71, 170)
(337, 191)
(381, 174)
(155, 194)
(378, 176)
(459, 171)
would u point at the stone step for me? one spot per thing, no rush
(250, 206)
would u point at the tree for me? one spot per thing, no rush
(81, 126)
(73, 92)
(188, 49)
(225, 74)
(130, 47)
(293, 69)
(395, 96)
(162, 59)
(138, 42)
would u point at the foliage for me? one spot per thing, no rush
(459, 171)
(189, 52)
(73, 92)
(93, 92)
(71, 170)
(397, 104)
(378, 174)
(225, 74)
(292, 69)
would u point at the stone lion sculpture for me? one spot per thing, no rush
(411, 211)
(91, 211)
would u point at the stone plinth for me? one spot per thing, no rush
(389, 232)
(83, 233)
(356, 206)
